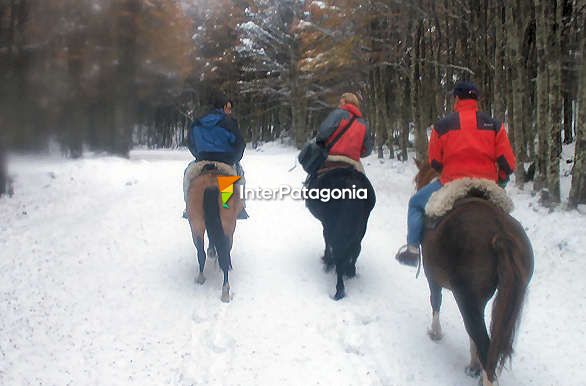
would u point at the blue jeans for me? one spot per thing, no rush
(416, 213)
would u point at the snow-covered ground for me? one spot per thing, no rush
(97, 287)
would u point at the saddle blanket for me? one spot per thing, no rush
(341, 158)
(194, 169)
(442, 201)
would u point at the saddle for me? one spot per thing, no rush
(327, 167)
(331, 165)
(197, 168)
(458, 192)
(342, 159)
(339, 162)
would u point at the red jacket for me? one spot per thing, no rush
(470, 143)
(354, 143)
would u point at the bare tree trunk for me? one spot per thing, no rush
(297, 98)
(404, 107)
(499, 93)
(73, 118)
(542, 116)
(380, 109)
(439, 95)
(420, 131)
(499, 72)
(124, 109)
(3, 173)
(553, 52)
(578, 189)
(515, 44)
(15, 63)
(568, 72)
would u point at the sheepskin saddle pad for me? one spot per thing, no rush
(195, 169)
(442, 201)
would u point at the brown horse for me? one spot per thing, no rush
(476, 250)
(205, 212)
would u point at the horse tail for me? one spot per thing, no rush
(513, 275)
(213, 223)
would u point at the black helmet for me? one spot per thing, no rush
(218, 100)
(466, 90)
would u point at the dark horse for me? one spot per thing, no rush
(344, 220)
(205, 212)
(475, 250)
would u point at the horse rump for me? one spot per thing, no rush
(339, 178)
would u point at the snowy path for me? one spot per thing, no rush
(96, 287)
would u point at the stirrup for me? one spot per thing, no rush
(406, 257)
(243, 215)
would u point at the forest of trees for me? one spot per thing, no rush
(106, 75)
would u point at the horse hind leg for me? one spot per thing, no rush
(345, 260)
(340, 288)
(472, 311)
(347, 248)
(474, 368)
(338, 256)
(226, 288)
(327, 258)
(350, 270)
(486, 382)
(212, 254)
(225, 263)
(332, 259)
(201, 258)
(435, 297)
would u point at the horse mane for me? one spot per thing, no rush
(425, 174)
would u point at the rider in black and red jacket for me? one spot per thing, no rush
(356, 141)
(466, 143)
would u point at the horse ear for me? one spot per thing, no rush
(418, 163)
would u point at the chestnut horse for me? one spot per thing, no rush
(205, 212)
(476, 250)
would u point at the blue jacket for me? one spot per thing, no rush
(209, 134)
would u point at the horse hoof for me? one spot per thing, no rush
(200, 279)
(483, 381)
(339, 295)
(211, 254)
(225, 294)
(473, 371)
(435, 335)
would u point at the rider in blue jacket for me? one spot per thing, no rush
(216, 137)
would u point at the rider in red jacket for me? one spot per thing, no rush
(466, 143)
(356, 141)
(470, 143)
